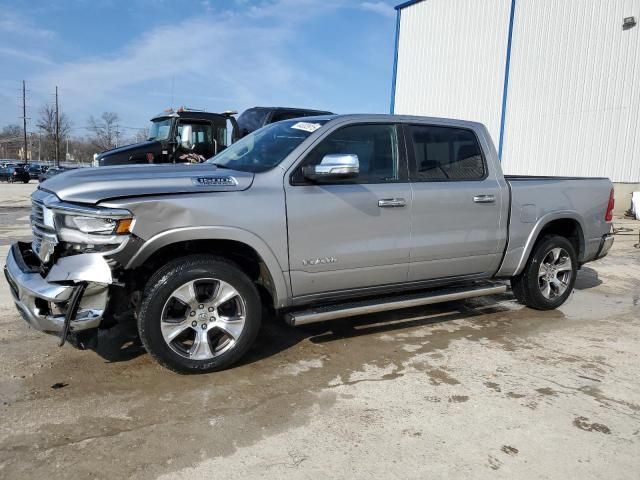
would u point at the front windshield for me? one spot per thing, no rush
(159, 129)
(267, 147)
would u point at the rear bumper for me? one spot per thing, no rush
(605, 245)
(43, 303)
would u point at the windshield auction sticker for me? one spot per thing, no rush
(306, 126)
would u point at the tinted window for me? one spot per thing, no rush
(375, 145)
(279, 115)
(444, 153)
(250, 120)
(284, 115)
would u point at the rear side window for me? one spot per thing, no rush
(445, 154)
(251, 120)
(280, 115)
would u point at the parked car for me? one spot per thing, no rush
(315, 219)
(257, 117)
(50, 172)
(33, 169)
(14, 174)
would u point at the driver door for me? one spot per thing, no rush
(355, 233)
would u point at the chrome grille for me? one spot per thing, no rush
(37, 215)
(44, 238)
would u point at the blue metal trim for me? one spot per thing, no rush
(395, 64)
(407, 4)
(505, 87)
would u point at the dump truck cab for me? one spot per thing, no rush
(176, 136)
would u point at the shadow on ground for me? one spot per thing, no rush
(587, 278)
(121, 343)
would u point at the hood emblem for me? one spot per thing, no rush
(217, 181)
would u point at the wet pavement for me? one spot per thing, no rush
(474, 389)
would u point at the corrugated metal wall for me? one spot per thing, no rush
(574, 90)
(451, 59)
(573, 104)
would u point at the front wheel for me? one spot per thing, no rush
(199, 314)
(549, 275)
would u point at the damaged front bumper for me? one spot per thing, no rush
(43, 301)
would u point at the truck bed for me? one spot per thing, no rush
(538, 200)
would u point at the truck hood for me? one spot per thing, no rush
(93, 185)
(134, 147)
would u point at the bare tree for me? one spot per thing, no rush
(10, 141)
(105, 131)
(47, 124)
(141, 135)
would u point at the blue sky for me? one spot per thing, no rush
(123, 56)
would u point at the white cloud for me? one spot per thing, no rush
(380, 8)
(24, 55)
(14, 23)
(242, 57)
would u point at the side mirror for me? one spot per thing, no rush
(334, 166)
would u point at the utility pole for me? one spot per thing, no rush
(57, 159)
(24, 119)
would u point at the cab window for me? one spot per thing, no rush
(376, 146)
(444, 154)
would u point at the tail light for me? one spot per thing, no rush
(15, 174)
(609, 215)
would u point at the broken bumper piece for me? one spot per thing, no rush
(43, 302)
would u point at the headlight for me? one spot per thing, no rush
(98, 225)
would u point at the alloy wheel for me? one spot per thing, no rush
(203, 318)
(555, 273)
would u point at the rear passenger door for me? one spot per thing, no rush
(456, 219)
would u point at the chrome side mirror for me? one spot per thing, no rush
(333, 166)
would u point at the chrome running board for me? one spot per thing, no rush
(364, 307)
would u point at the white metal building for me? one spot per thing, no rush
(557, 82)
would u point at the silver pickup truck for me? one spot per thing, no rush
(314, 219)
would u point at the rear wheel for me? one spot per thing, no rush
(549, 275)
(199, 314)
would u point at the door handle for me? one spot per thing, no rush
(484, 198)
(392, 202)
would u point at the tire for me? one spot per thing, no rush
(547, 279)
(25, 181)
(182, 308)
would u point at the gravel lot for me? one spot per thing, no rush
(476, 389)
